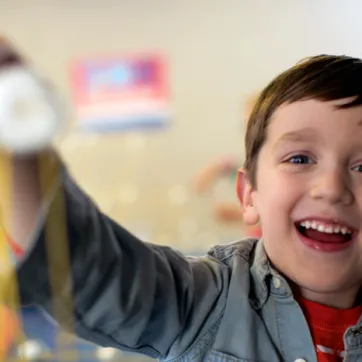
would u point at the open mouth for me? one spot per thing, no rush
(323, 232)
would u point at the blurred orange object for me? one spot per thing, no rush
(10, 326)
(254, 231)
(9, 330)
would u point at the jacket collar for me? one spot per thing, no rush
(264, 278)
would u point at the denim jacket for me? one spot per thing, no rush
(118, 291)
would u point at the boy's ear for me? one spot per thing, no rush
(245, 192)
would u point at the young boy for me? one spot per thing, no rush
(293, 296)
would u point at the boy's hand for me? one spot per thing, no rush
(28, 119)
(29, 109)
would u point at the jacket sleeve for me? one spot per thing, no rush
(119, 291)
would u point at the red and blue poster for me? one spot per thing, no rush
(121, 93)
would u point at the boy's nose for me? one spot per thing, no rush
(332, 187)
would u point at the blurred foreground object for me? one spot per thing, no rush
(29, 119)
(213, 171)
(226, 166)
(30, 111)
(9, 330)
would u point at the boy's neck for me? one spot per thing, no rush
(343, 299)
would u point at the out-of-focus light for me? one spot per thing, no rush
(30, 350)
(106, 354)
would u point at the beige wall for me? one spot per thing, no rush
(219, 52)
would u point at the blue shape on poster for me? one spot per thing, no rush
(120, 76)
(110, 78)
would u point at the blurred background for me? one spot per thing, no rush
(200, 62)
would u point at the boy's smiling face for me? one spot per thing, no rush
(308, 197)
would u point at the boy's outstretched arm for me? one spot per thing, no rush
(125, 293)
(25, 199)
(94, 277)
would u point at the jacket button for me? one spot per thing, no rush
(277, 283)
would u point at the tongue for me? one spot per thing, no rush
(324, 237)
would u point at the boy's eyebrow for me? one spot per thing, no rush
(302, 135)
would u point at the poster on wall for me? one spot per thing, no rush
(121, 93)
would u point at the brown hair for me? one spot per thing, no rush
(322, 77)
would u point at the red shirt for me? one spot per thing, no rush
(327, 326)
(16, 249)
(10, 326)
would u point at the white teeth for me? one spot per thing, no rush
(325, 228)
(329, 229)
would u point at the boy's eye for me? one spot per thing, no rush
(300, 159)
(357, 168)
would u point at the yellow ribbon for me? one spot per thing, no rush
(56, 245)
